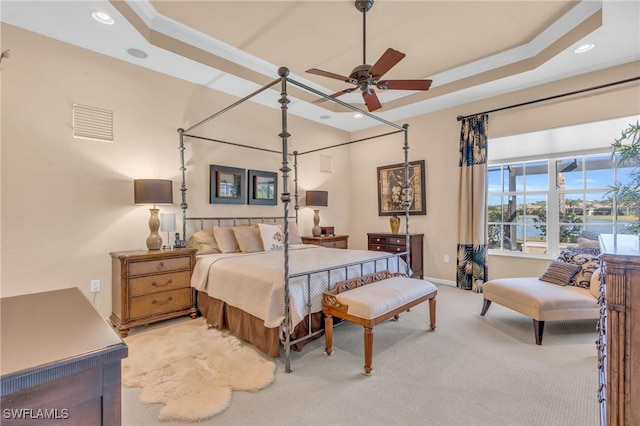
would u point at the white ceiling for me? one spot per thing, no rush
(470, 49)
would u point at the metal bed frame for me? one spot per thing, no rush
(285, 195)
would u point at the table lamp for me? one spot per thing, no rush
(317, 199)
(153, 191)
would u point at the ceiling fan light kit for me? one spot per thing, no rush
(365, 77)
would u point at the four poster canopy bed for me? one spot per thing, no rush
(255, 277)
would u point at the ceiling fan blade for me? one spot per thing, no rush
(335, 95)
(404, 84)
(387, 61)
(329, 74)
(371, 100)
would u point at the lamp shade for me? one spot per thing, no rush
(317, 198)
(152, 191)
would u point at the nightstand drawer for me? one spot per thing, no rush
(163, 265)
(161, 282)
(378, 240)
(156, 303)
(335, 244)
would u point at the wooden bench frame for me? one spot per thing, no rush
(332, 307)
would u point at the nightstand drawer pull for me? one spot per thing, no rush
(161, 265)
(155, 284)
(155, 302)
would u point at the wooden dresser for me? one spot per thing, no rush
(331, 241)
(619, 340)
(396, 243)
(151, 286)
(60, 361)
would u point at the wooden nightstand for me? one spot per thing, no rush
(331, 241)
(151, 286)
(396, 243)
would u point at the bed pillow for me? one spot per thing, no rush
(272, 236)
(294, 234)
(560, 273)
(204, 242)
(585, 257)
(225, 239)
(248, 238)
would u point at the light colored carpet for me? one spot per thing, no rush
(192, 370)
(472, 370)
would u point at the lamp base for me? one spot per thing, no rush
(154, 240)
(316, 231)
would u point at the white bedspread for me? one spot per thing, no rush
(254, 282)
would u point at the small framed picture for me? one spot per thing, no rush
(391, 189)
(263, 188)
(226, 185)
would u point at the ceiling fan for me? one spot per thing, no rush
(365, 77)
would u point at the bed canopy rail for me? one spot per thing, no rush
(285, 195)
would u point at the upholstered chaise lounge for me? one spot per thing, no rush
(567, 291)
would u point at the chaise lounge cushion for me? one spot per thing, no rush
(541, 300)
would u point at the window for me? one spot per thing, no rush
(542, 206)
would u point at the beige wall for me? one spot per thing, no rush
(66, 203)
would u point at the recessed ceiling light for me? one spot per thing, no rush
(357, 115)
(102, 17)
(137, 53)
(584, 48)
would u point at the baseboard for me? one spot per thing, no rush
(440, 281)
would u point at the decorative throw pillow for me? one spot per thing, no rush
(204, 242)
(225, 239)
(594, 286)
(585, 257)
(294, 234)
(272, 236)
(248, 238)
(560, 273)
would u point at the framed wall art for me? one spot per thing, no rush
(226, 185)
(263, 188)
(391, 180)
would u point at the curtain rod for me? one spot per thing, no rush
(562, 95)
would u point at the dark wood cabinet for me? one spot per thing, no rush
(151, 286)
(397, 243)
(331, 241)
(60, 361)
(619, 326)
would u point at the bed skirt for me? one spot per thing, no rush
(250, 328)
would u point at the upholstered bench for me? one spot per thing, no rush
(543, 301)
(372, 299)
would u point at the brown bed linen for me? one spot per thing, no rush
(250, 328)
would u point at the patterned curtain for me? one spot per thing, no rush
(472, 225)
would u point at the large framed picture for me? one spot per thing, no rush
(391, 192)
(226, 185)
(263, 188)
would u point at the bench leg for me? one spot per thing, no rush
(368, 350)
(485, 306)
(432, 313)
(328, 334)
(538, 328)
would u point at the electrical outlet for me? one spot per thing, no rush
(95, 286)
(446, 258)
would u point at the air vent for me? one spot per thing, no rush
(92, 123)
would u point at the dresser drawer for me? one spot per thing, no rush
(380, 240)
(342, 244)
(157, 303)
(160, 265)
(377, 247)
(161, 282)
(398, 241)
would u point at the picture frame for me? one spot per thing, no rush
(226, 185)
(263, 188)
(391, 192)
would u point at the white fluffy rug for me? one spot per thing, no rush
(192, 370)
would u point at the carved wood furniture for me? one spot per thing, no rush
(396, 243)
(331, 241)
(372, 299)
(60, 361)
(151, 286)
(619, 340)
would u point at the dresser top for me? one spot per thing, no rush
(41, 330)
